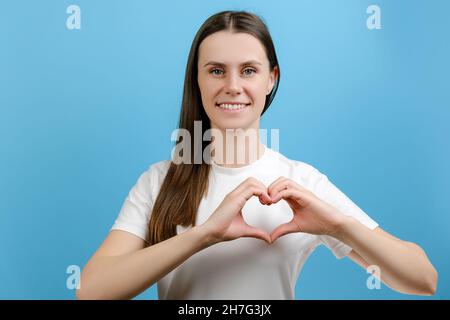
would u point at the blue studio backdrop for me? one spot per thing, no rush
(85, 109)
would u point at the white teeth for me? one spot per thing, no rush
(232, 106)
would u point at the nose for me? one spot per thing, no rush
(233, 84)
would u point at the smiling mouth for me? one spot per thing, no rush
(232, 106)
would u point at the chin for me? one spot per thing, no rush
(235, 124)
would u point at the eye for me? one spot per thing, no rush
(213, 71)
(249, 73)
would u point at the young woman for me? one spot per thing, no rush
(226, 230)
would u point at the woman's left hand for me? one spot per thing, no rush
(311, 214)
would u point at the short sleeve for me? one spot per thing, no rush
(328, 192)
(136, 209)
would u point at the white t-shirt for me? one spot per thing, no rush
(244, 268)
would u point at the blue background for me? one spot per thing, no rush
(84, 112)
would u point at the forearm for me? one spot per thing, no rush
(125, 276)
(404, 266)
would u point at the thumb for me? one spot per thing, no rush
(257, 233)
(283, 229)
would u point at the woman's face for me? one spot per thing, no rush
(234, 77)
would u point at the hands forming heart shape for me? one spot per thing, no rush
(310, 214)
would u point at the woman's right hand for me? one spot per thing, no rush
(227, 223)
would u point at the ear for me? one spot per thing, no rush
(272, 79)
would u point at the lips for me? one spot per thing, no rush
(234, 106)
(231, 102)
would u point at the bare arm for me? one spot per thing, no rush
(123, 267)
(404, 265)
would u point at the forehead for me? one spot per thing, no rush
(231, 48)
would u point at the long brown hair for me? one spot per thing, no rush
(185, 184)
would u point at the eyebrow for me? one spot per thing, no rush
(216, 63)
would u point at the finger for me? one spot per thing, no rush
(276, 186)
(283, 229)
(299, 196)
(258, 191)
(257, 233)
(284, 183)
(264, 202)
(275, 182)
(280, 186)
(251, 187)
(264, 196)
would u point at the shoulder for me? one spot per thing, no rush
(150, 180)
(158, 169)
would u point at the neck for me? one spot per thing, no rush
(235, 148)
